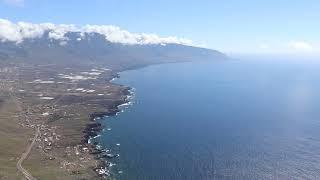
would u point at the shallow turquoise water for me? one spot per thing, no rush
(219, 120)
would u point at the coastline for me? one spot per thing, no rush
(95, 127)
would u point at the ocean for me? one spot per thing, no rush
(236, 119)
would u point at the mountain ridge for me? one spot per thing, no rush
(94, 48)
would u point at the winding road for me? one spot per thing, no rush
(25, 155)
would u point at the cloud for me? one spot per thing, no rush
(288, 47)
(19, 3)
(301, 46)
(264, 46)
(17, 32)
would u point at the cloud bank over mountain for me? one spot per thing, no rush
(18, 32)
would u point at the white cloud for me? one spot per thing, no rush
(58, 32)
(301, 46)
(17, 32)
(8, 31)
(28, 30)
(19, 3)
(264, 46)
(288, 47)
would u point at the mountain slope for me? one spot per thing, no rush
(94, 48)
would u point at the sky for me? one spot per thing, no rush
(231, 26)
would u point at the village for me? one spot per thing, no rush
(63, 104)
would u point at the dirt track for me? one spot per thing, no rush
(25, 155)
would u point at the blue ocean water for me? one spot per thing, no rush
(237, 119)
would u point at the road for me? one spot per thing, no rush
(25, 155)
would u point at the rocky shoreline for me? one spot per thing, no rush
(93, 128)
(65, 103)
